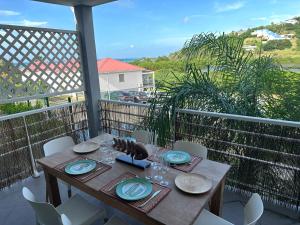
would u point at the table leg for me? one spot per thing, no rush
(217, 199)
(52, 188)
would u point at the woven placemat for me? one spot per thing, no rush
(100, 168)
(109, 189)
(187, 167)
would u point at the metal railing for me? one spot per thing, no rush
(22, 136)
(264, 153)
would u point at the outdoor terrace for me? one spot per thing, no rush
(121, 118)
(12, 201)
(38, 63)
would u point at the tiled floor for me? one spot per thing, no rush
(14, 210)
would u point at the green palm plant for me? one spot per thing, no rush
(235, 81)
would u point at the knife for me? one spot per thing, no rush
(153, 195)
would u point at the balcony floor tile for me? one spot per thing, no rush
(15, 210)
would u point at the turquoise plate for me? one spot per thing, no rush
(129, 139)
(177, 157)
(134, 189)
(80, 167)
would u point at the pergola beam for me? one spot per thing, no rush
(76, 2)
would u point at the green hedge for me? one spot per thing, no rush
(12, 108)
(277, 45)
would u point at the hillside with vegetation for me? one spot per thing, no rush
(285, 52)
(232, 79)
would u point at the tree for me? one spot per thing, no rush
(234, 81)
(277, 45)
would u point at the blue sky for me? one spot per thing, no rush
(143, 28)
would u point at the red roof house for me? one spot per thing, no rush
(109, 65)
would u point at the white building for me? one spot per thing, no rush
(116, 75)
(267, 35)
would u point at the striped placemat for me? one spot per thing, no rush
(109, 189)
(187, 167)
(100, 168)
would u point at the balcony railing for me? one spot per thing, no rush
(264, 153)
(23, 135)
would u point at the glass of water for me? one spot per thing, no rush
(148, 172)
(157, 172)
(165, 166)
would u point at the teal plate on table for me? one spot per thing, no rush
(134, 189)
(80, 167)
(177, 157)
(129, 139)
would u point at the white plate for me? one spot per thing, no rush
(86, 147)
(193, 183)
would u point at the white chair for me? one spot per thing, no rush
(58, 145)
(192, 148)
(144, 136)
(76, 211)
(253, 210)
(112, 221)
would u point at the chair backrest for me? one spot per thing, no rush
(45, 213)
(253, 210)
(65, 220)
(144, 136)
(192, 148)
(58, 145)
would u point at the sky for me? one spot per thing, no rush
(143, 28)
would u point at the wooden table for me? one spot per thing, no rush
(177, 208)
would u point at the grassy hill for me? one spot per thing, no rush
(289, 56)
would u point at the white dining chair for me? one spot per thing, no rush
(112, 221)
(58, 145)
(144, 136)
(191, 147)
(253, 210)
(75, 211)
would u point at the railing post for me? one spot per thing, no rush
(32, 161)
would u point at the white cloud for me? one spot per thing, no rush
(229, 7)
(187, 19)
(27, 23)
(260, 18)
(276, 18)
(131, 46)
(9, 13)
(33, 23)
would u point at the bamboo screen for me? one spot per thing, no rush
(42, 127)
(265, 158)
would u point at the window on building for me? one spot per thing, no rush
(121, 77)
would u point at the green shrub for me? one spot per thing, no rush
(12, 108)
(277, 45)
